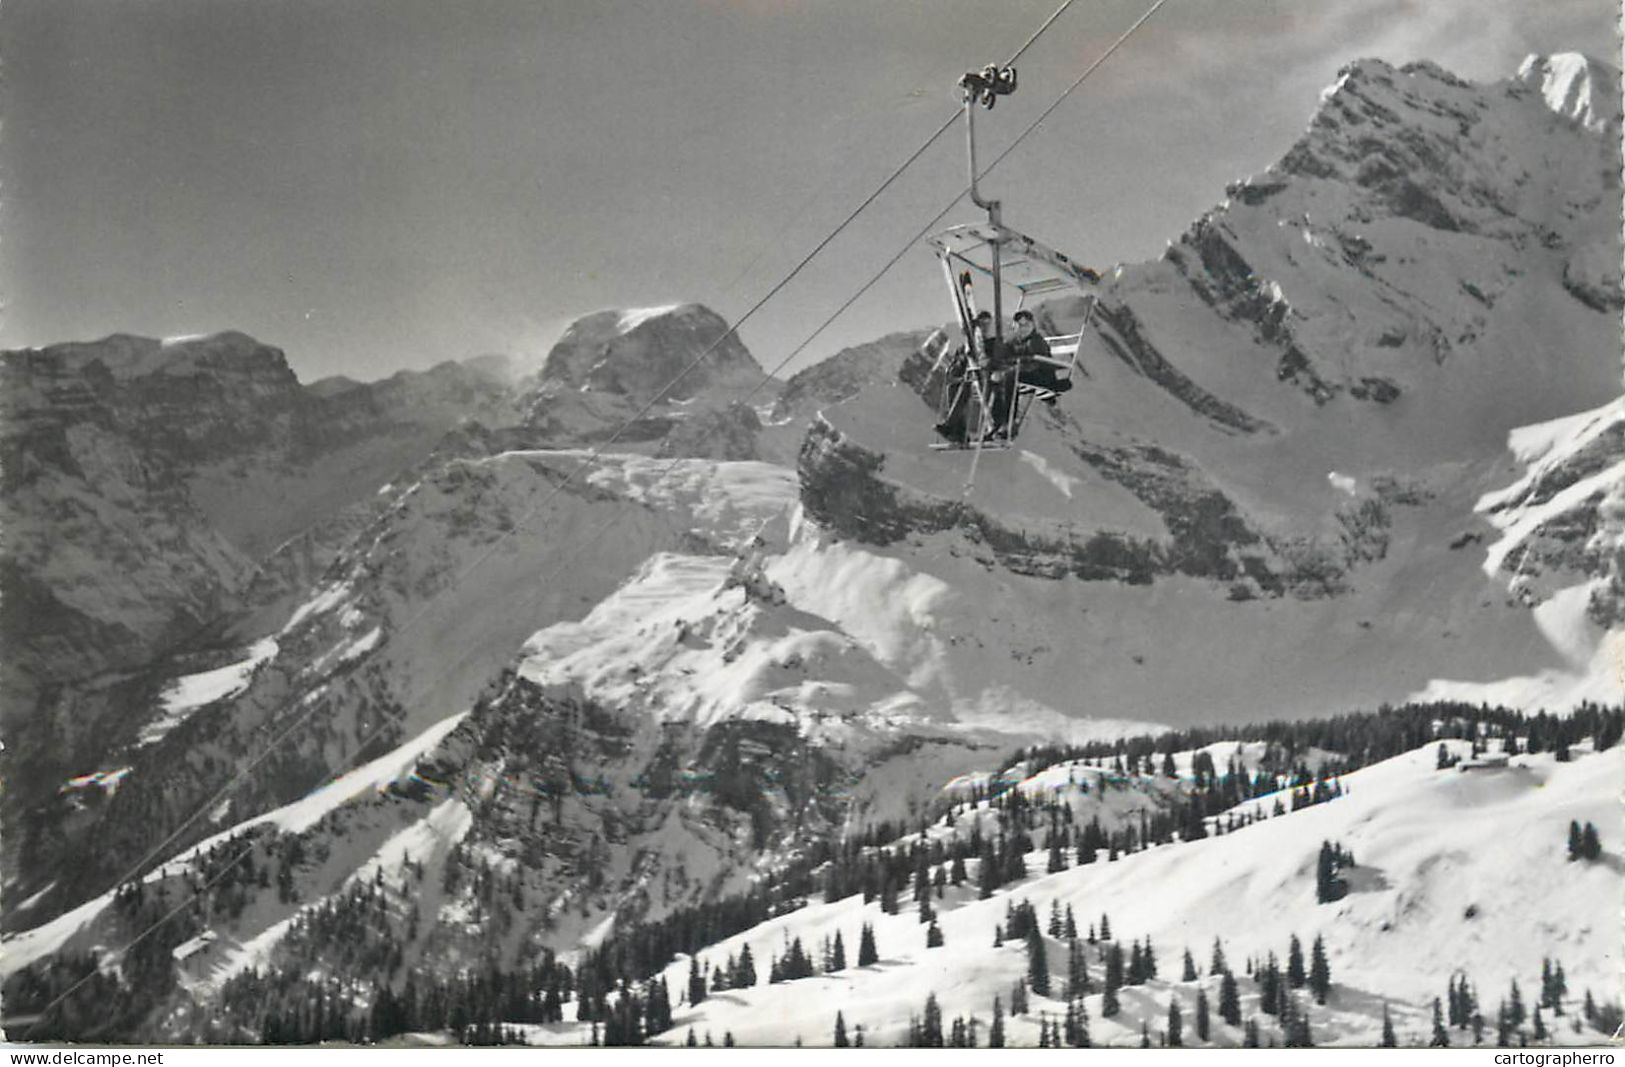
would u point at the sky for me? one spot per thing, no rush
(372, 185)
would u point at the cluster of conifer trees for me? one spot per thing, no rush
(1461, 1010)
(1584, 844)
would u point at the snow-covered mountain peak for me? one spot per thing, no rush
(1576, 86)
(635, 351)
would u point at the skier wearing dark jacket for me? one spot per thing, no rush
(1027, 344)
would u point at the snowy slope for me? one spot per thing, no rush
(1456, 871)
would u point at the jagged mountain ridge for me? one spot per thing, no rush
(276, 459)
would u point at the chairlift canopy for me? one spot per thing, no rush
(1029, 266)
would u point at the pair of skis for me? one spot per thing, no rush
(975, 378)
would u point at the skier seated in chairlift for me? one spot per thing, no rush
(1027, 344)
(965, 364)
(1000, 361)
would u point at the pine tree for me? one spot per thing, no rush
(1296, 977)
(933, 936)
(838, 954)
(1077, 970)
(1108, 1002)
(1018, 997)
(1576, 841)
(1218, 966)
(1145, 1034)
(1590, 844)
(1105, 927)
(1189, 974)
(1388, 1039)
(867, 953)
(747, 970)
(1069, 929)
(841, 1040)
(888, 896)
(1299, 1035)
(1539, 1024)
(1320, 971)
(931, 1024)
(1176, 1025)
(1515, 1012)
(1204, 1024)
(696, 981)
(1037, 963)
(995, 1033)
(691, 1041)
(1114, 971)
(1056, 929)
(728, 1038)
(1440, 1039)
(1249, 1035)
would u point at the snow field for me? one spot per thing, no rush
(1429, 844)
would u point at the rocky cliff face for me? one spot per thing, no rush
(156, 495)
(637, 352)
(144, 480)
(101, 440)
